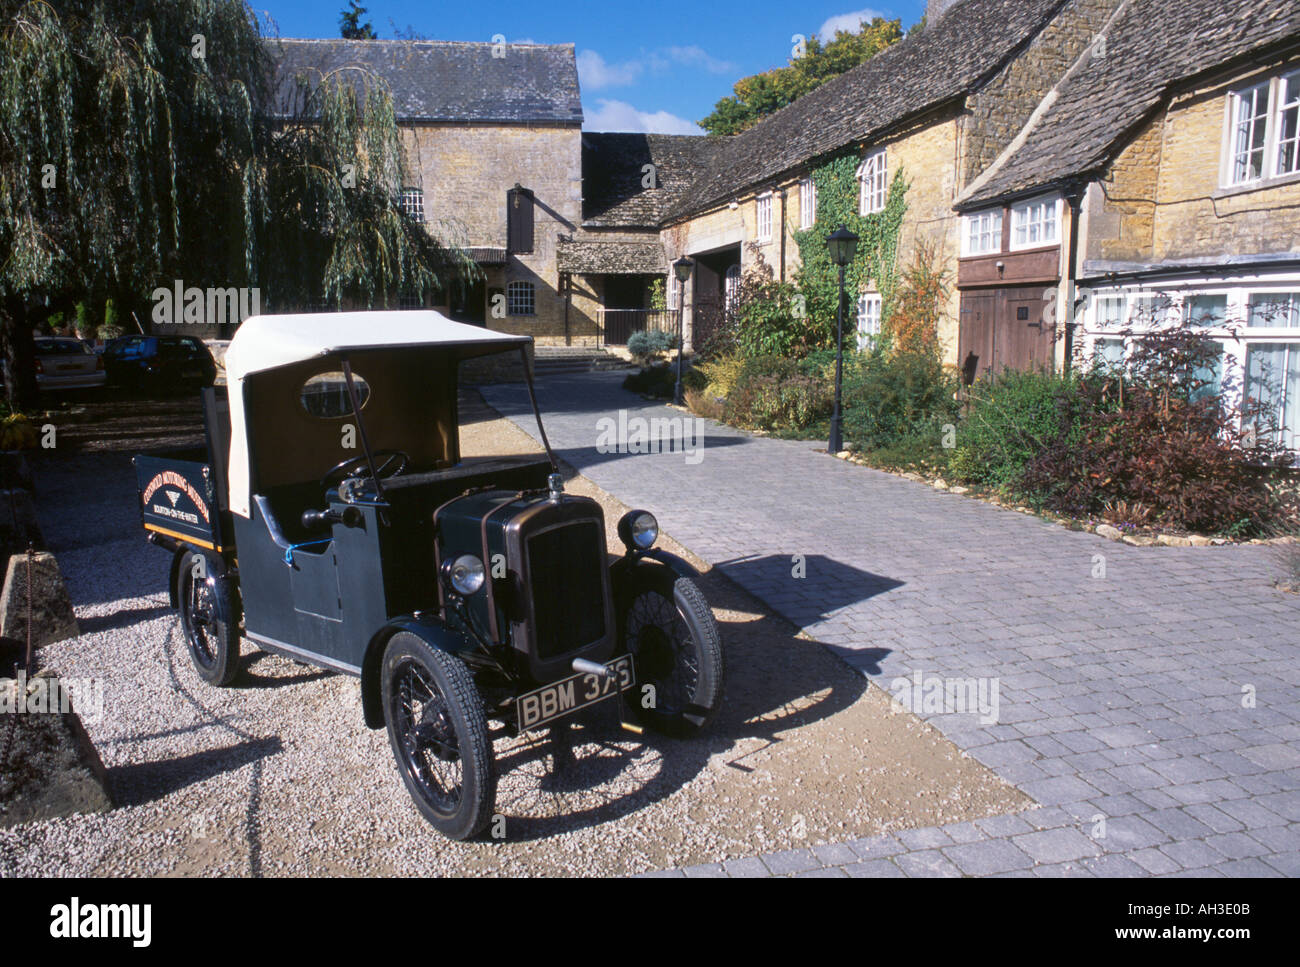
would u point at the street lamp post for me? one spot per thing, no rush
(843, 245)
(682, 269)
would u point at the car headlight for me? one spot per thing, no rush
(638, 530)
(465, 574)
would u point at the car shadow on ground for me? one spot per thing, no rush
(247, 678)
(122, 619)
(776, 682)
(141, 783)
(806, 588)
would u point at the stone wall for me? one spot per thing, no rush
(1161, 199)
(927, 155)
(465, 172)
(999, 110)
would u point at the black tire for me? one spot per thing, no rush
(209, 619)
(439, 736)
(668, 628)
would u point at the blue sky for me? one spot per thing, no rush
(644, 66)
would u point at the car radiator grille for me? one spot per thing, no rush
(565, 565)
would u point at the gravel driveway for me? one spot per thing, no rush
(279, 775)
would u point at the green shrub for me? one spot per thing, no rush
(774, 394)
(1011, 419)
(720, 374)
(650, 343)
(658, 381)
(895, 397)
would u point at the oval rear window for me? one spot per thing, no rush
(326, 396)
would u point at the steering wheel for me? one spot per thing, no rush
(397, 460)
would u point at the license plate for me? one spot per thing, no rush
(550, 702)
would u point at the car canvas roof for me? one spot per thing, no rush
(270, 342)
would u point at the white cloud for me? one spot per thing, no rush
(621, 116)
(594, 73)
(847, 21)
(695, 56)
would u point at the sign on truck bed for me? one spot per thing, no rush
(178, 499)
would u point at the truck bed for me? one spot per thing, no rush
(182, 491)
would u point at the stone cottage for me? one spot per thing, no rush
(493, 138)
(1171, 148)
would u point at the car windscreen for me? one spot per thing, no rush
(181, 348)
(60, 347)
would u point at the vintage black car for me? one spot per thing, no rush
(332, 518)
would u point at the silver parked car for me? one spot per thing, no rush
(66, 363)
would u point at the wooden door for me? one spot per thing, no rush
(1025, 337)
(975, 335)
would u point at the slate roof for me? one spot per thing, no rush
(487, 255)
(442, 80)
(947, 60)
(1152, 47)
(638, 257)
(613, 176)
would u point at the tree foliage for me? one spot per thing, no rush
(138, 146)
(350, 25)
(762, 94)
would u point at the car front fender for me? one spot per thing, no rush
(653, 558)
(429, 629)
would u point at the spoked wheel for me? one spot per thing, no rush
(208, 620)
(439, 736)
(669, 629)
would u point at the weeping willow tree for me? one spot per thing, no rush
(141, 142)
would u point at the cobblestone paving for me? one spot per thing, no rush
(1147, 698)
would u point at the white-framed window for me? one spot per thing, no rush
(521, 299)
(869, 306)
(764, 217)
(413, 203)
(872, 179)
(807, 203)
(731, 287)
(1273, 388)
(1288, 124)
(1108, 353)
(1273, 310)
(673, 286)
(983, 234)
(1111, 311)
(1263, 138)
(1035, 223)
(1209, 310)
(1256, 321)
